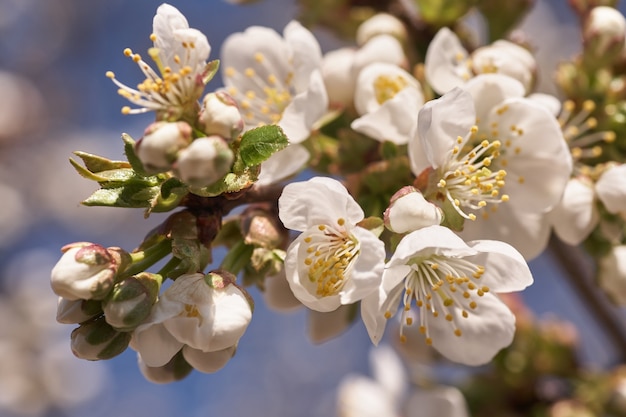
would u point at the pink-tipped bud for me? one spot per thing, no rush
(220, 116)
(409, 211)
(161, 143)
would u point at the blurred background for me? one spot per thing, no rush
(55, 99)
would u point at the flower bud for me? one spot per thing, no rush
(130, 301)
(161, 143)
(260, 227)
(175, 370)
(339, 82)
(97, 340)
(582, 7)
(604, 34)
(612, 275)
(204, 162)
(409, 211)
(381, 24)
(87, 270)
(220, 116)
(77, 311)
(382, 48)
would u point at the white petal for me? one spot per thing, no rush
(324, 326)
(539, 156)
(305, 109)
(155, 344)
(367, 272)
(337, 78)
(165, 22)
(303, 289)
(576, 215)
(429, 241)
(388, 369)
(381, 48)
(208, 362)
(319, 200)
(372, 315)
(444, 65)
(526, 232)
(359, 396)
(611, 189)
(505, 268)
(366, 98)
(437, 402)
(489, 91)
(395, 120)
(488, 329)
(439, 123)
(508, 59)
(283, 164)
(612, 274)
(551, 103)
(307, 55)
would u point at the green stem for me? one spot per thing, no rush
(171, 265)
(144, 259)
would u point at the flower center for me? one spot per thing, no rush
(578, 130)
(331, 252)
(387, 86)
(468, 182)
(164, 89)
(441, 286)
(262, 94)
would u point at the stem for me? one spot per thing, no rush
(578, 274)
(144, 259)
(171, 265)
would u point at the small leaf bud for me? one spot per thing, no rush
(131, 300)
(220, 116)
(97, 340)
(87, 271)
(161, 143)
(204, 162)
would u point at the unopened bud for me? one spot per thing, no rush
(220, 279)
(130, 301)
(97, 340)
(261, 227)
(77, 311)
(87, 271)
(204, 162)
(175, 370)
(409, 211)
(582, 7)
(161, 143)
(338, 79)
(220, 116)
(604, 34)
(381, 24)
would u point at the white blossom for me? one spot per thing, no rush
(452, 284)
(333, 262)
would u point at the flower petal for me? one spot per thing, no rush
(439, 123)
(366, 274)
(324, 326)
(208, 362)
(155, 344)
(611, 189)
(505, 268)
(306, 53)
(283, 164)
(488, 329)
(395, 120)
(305, 109)
(319, 200)
(576, 215)
(436, 402)
(489, 91)
(445, 63)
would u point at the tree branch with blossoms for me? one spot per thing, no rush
(435, 172)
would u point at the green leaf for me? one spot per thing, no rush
(257, 145)
(127, 196)
(96, 164)
(133, 159)
(229, 183)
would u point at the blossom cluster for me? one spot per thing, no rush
(431, 183)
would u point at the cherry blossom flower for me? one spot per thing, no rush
(180, 54)
(277, 80)
(448, 64)
(203, 315)
(387, 98)
(452, 284)
(333, 262)
(486, 146)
